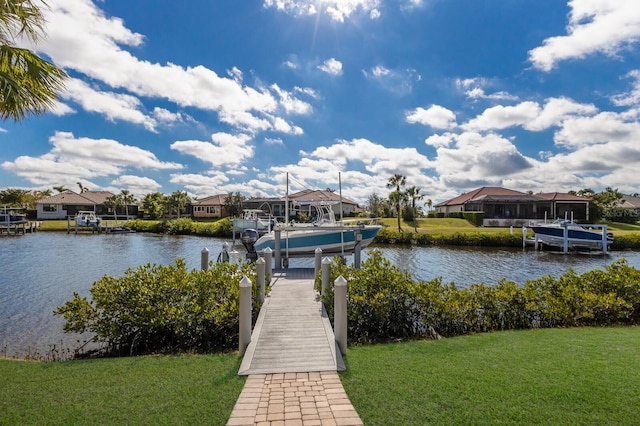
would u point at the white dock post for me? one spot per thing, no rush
(524, 236)
(204, 259)
(278, 248)
(326, 263)
(260, 264)
(245, 315)
(225, 252)
(268, 272)
(234, 256)
(604, 239)
(318, 262)
(340, 313)
(565, 246)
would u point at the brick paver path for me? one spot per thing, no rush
(290, 399)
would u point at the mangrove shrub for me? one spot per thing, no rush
(162, 309)
(384, 303)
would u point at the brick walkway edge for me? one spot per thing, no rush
(291, 399)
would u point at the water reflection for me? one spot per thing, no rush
(40, 272)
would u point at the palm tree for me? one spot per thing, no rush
(28, 83)
(178, 200)
(396, 197)
(414, 194)
(60, 188)
(114, 201)
(82, 187)
(127, 198)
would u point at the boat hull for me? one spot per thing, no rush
(304, 242)
(577, 237)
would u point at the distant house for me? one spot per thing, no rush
(300, 202)
(631, 204)
(209, 207)
(68, 203)
(309, 196)
(506, 207)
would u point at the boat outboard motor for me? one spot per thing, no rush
(249, 238)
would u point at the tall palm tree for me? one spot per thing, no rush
(28, 83)
(397, 181)
(60, 188)
(178, 200)
(114, 201)
(127, 198)
(413, 193)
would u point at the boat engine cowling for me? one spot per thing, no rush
(249, 238)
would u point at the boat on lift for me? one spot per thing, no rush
(322, 231)
(565, 233)
(256, 219)
(88, 218)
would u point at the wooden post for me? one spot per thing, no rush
(278, 249)
(326, 263)
(204, 259)
(245, 315)
(318, 262)
(524, 236)
(604, 239)
(357, 249)
(268, 272)
(234, 256)
(260, 267)
(340, 313)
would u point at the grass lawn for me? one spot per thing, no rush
(560, 377)
(134, 391)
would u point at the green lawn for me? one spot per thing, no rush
(135, 391)
(559, 376)
(556, 377)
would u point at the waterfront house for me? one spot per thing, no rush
(209, 207)
(68, 203)
(506, 207)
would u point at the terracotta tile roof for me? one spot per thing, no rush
(88, 198)
(214, 200)
(561, 196)
(480, 192)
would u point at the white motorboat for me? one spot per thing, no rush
(255, 219)
(88, 218)
(565, 233)
(324, 232)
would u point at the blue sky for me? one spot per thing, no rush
(217, 96)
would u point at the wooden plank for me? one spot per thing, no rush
(292, 333)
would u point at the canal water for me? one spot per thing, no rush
(39, 272)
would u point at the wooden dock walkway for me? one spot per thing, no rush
(293, 333)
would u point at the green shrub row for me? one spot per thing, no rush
(162, 309)
(385, 303)
(184, 226)
(475, 218)
(503, 239)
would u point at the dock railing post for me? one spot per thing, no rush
(318, 262)
(204, 259)
(225, 252)
(268, 272)
(278, 248)
(340, 313)
(524, 236)
(326, 264)
(234, 257)
(245, 315)
(260, 264)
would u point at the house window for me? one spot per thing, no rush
(198, 209)
(213, 210)
(50, 208)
